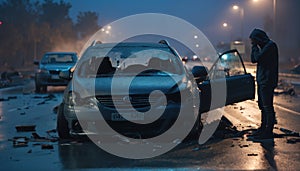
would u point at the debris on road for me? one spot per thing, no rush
(285, 87)
(289, 132)
(25, 128)
(55, 109)
(227, 130)
(50, 96)
(23, 141)
(243, 146)
(12, 97)
(292, 140)
(20, 142)
(47, 146)
(3, 99)
(201, 147)
(11, 78)
(51, 131)
(38, 138)
(46, 98)
(43, 102)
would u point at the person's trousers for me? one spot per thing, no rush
(265, 104)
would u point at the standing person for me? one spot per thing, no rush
(265, 54)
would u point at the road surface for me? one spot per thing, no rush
(21, 106)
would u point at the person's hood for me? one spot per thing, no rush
(260, 36)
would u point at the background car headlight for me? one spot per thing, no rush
(43, 71)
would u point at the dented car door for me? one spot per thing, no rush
(227, 75)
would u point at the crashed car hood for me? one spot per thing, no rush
(125, 85)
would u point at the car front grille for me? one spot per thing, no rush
(54, 72)
(137, 101)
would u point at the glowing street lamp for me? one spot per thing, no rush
(274, 18)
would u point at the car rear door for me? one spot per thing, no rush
(227, 83)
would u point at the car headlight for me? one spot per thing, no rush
(74, 99)
(42, 71)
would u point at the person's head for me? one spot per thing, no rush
(259, 37)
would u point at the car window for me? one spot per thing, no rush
(58, 58)
(131, 61)
(229, 64)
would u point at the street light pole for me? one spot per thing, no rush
(274, 18)
(241, 10)
(242, 23)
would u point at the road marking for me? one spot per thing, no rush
(283, 108)
(10, 88)
(11, 110)
(237, 120)
(288, 110)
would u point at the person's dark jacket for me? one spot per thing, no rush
(266, 58)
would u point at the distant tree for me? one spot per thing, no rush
(30, 28)
(18, 18)
(87, 24)
(56, 25)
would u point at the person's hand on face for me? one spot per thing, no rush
(253, 42)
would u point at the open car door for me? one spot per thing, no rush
(227, 75)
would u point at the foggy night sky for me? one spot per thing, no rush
(206, 15)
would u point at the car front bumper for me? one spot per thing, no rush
(90, 120)
(50, 80)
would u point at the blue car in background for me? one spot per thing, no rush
(49, 67)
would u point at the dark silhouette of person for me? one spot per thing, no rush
(265, 53)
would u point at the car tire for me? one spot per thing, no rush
(37, 88)
(62, 124)
(44, 89)
(37, 85)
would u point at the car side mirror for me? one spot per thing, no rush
(184, 59)
(66, 74)
(200, 73)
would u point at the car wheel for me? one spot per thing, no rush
(44, 89)
(37, 85)
(37, 88)
(62, 124)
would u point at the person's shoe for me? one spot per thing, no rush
(257, 132)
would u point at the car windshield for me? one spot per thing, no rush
(131, 60)
(58, 58)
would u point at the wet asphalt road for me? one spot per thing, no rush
(21, 106)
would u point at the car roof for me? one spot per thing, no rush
(128, 44)
(50, 53)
